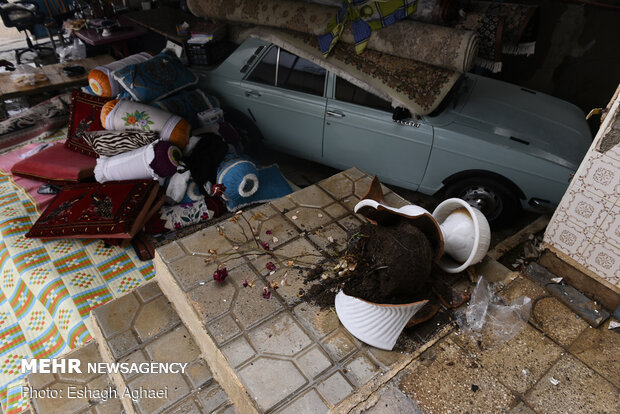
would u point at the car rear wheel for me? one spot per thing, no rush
(493, 199)
(251, 137)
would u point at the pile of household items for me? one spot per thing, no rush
(145, 150)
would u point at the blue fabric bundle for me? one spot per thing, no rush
(187, 105)
(156, 78)
(246, 184)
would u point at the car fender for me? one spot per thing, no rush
(457, 153)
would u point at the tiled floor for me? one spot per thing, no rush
(291, 356)
(257, 349)
(141, 327)
(286, 352)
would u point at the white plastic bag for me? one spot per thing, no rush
(489, 320)
(26, 75)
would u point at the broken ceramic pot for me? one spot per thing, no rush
(376, 324)
(459, 236)
(459, 233)
(466, 234)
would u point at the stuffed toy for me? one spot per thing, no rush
(246, 184)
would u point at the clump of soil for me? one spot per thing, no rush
(393, 264)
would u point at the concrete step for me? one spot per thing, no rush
(69, 393)
(143, 327)
(280, 354)
(139, 328)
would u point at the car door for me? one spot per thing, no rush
(284, 94)
(359, 132)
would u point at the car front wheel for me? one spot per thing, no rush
(492, 198)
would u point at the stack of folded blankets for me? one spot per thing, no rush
(138, 156)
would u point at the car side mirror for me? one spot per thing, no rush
(400, 114)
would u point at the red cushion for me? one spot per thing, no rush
(56, 164)
(115, 209)
(85, 115)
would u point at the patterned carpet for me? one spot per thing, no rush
(48, 288)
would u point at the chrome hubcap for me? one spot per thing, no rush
(484, 200)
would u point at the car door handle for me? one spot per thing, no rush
(252, 93)
(337, 114)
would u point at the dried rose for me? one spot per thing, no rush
(268, 232)
(220, 274)
(266, 292)
(270, 266)
(265, 245)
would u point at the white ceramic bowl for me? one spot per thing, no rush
(466, 234)
(376, 324)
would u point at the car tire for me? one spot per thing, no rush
(251, 137)
(495, 200)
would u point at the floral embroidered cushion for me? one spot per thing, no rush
(85, 115)
(116, 209)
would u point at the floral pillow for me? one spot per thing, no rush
(156, 78)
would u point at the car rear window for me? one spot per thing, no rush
(347, 92)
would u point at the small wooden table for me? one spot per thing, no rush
(56, 78)
(117, 39)
(164, 20)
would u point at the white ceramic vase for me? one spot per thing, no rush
(465, 232)
(376, 324)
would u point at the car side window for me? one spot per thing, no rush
(265, 71)
(293, 72)
(347, 92)
(299, 74)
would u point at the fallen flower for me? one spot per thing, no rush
(265, 245)
(220, 274)
(268, 232)
(245, 283)
(266, 292)
(270, 266)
